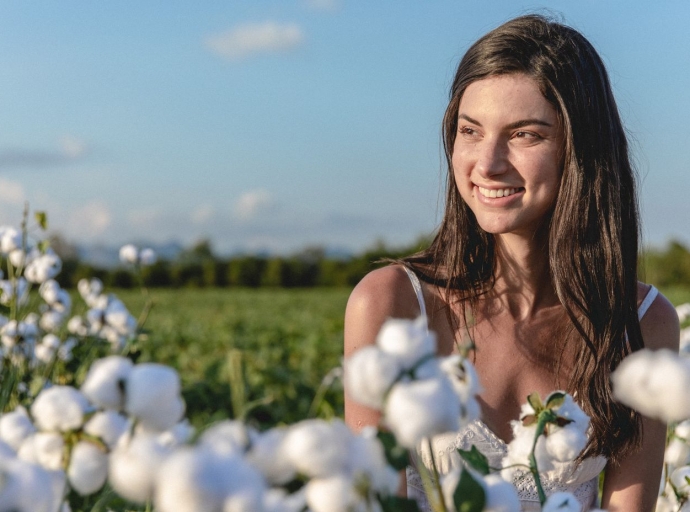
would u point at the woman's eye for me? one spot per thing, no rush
(526, 135)
(466, 130)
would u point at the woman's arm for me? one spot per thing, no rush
(382, 294)
(633, 485)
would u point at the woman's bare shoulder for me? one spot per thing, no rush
(384, 293)
(660, 326)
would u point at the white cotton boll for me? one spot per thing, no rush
(462, 375)
(147, 256)
(49, 291)
(407, 340)
(51, 320)
(562, 502)
(153, 396)
(117, 316)
(571, 411)
(197, 480)
(6, 451)
(501, 496)
(76, 326)
(679, 479)
(332, 494)
(655, 383)
(51, 341)
(267, 455)
(95, 318)
(134, 465)
(60, 408)
(419, 409)
(317, 448)
(105, 382)
(48, 448)
(17, 258)
(116, 340)
(9, 333)
(10, 239)
(683, 312)
(520, 448)
(179, 434)
(367, 460)
(677, 453)
(565, 444)
(25, 487)
(16, 426)
(129, 254)
(44, 353)
(666, 504)
(108, 426)
(42, 268)
(682, 430)
(243, 502)
(277, 500)
(369, 373)
(88, 468)
(65, 350)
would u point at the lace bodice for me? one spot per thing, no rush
(579, 479)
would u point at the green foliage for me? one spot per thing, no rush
(469, 495)
(288, 341)
(476, 460)
(667, 268)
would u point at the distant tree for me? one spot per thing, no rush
(120, 278)
(246, 271)
(157, 275)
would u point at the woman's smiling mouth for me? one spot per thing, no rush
(498, 192)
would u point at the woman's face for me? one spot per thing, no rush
(507, 154)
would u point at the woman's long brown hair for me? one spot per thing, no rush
(593, 230)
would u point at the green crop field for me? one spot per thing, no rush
(263, 352)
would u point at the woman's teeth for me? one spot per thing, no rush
(501, 192)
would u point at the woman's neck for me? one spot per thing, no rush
(523, 279)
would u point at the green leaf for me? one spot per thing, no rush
(398, 504)
(535, 401)
(469, 495)
(41, 219)
(43, 246)
(476, 460)
(397, 456)
(555, 400)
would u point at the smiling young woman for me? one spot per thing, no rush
(538, 246)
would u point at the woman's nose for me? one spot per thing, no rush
(492, 158)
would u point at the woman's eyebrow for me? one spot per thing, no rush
(512, 126)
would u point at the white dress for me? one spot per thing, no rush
(582, 479)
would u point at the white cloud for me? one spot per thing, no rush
(323, 5)
(256, 38)
(202, 214)
(11, 192)
(91, 219)
(73, 147)
(146, 218)
(251, 203)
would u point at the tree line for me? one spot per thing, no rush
(198, 266)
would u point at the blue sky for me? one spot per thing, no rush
(274, 125)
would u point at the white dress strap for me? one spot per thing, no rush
(417, 290)
(647, 301)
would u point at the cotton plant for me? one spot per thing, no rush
(421, 395)
(81, 438)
